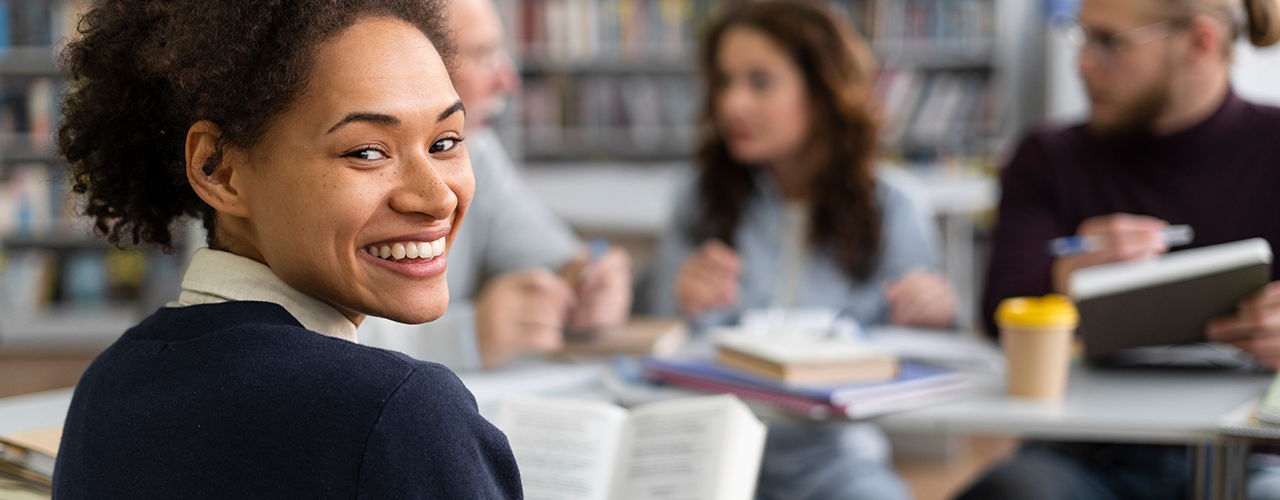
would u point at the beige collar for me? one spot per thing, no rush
(215, 276)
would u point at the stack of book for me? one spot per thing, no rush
(817, 379)
(26, 463)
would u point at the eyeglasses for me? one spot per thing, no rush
(1106, 45)
(488, 57)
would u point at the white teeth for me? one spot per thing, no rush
(398, 251)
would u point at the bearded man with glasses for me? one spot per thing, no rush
(1167, 142)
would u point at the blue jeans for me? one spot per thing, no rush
(1087, 471)
(840, 460)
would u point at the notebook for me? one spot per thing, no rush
(916, 385)
(1167, 300)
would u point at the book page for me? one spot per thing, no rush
(743, 453)
(566, 448)
(677, 450)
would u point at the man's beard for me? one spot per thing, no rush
(1136, 117)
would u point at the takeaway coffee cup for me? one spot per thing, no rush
(1036, 333)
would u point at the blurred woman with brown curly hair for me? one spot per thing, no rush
(320, 141)
(788, 211)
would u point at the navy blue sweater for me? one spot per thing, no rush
(238, 400)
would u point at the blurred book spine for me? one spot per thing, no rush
(49, 258)
(617, 79)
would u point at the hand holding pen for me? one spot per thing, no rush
(708, 278)
(601, 284)
(1113, 238)
(1171, 236)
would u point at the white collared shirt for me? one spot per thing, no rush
(215, 276)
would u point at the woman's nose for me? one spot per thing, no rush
(425, 189)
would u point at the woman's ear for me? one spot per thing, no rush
(210, 171)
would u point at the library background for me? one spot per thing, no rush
(602, 126)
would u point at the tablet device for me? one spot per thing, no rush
(1166, 300)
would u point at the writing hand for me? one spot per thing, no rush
(521, 312)
(1121, 237)
(708, 278)
(602, 290)
(922, 298)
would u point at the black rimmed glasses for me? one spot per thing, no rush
(1105, 45)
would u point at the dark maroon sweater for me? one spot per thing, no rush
(1222, 177)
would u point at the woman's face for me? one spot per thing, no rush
(761, 101)
(369, 157)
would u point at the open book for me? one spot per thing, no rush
(571, 449)
(1167, 300)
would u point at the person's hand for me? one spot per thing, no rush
(1119, 237)
(602, 290)
(922, 298)
(521, 312)
(708, 278)
(1254, 328)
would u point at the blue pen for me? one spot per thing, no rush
(1174, 236)
(599, 247)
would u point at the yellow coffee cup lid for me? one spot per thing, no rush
(1052, 311)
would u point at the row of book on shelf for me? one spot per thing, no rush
(645, 113)
(37, 23)
(938, 111)
(928, 110)
(932, 27)
(577, 31)
(39, 279)
(28, 114)
(47, 257)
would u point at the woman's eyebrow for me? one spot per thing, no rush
(456, 107)
(375, 118)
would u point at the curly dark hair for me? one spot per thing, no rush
(143, 71)
(839, 70)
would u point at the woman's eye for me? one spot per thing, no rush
(443, 145)
(368, 154)
(761, 82)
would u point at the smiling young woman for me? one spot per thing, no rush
(321, 143)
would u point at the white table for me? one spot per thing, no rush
(1130, 406)
(1125, 406)
(31, 412)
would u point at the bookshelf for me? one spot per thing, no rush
(61, 288)
(616, 80)
(611, 91)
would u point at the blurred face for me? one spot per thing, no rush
(370, 158)
(761, 101)
(485, 75)
(1129, 82)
